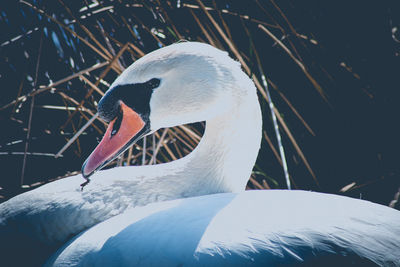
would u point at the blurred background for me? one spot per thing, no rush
(331, 69)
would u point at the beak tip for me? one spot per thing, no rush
(85, 173)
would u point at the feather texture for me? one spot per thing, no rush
(267, 228)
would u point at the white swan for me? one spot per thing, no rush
(183, 83)
(198, 82)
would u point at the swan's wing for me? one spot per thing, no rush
(36, 223)
(267, 228)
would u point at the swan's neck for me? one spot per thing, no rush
(226, 154)
(221, 162)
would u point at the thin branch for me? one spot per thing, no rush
(87, 124)
(116, 68)
(203, 30)
(271, 107)
(190, 132)
(97, 89)
(28, 133)
(225, 11)
(21, 85)
(302, 67)
(83, 27)
(228, 32)
(257, 184)
(52, 85)
(168, 19)
(153, 144)
(297, 148)
(226, 39)
(28, 153)
(144, 149)
(72, 124)
(294, 110)
(103, 74)
(73, 101)
(272, 148)
(159, 144)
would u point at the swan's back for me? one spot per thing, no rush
(258, 227)
(38, 222)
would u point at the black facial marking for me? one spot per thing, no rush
(136, 96)
(154, 83)
(117, 123)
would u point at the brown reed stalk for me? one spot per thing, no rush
(37, 91)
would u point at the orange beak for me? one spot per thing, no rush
(115, 140)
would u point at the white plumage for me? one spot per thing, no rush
(262, 228)
(198, 83)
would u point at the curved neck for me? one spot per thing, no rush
(221, 162)
(226, 154)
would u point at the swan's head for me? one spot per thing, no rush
(182, 83)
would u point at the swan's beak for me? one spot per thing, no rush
(122, 131)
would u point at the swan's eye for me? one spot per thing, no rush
(153, 83)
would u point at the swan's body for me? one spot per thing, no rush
(182, 83)
(253, 228)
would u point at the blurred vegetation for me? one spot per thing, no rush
(332, 70)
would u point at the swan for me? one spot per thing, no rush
(218, 223)
(178, 84)
(40, 221)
